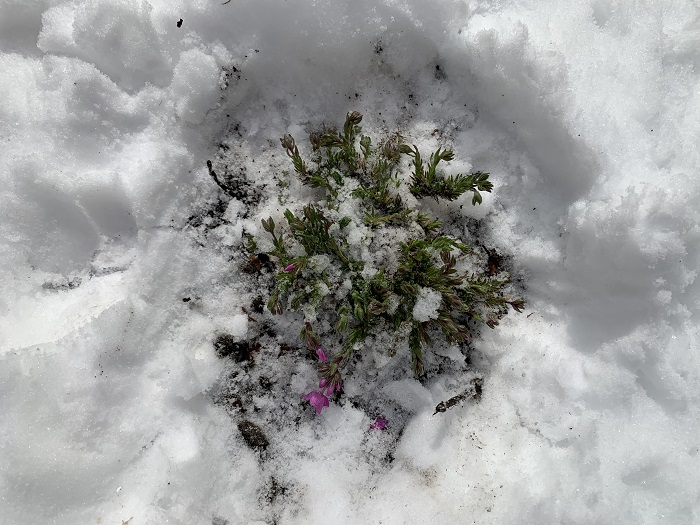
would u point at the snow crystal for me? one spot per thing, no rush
(322, 289)
(234, 210)
(427, 305)
(319, 263)
(238, 325)
(343, 289)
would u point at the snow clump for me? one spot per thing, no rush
(427, 305)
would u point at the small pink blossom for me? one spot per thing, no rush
(331, 387)
(289, 268)
(379, 424)
(317, 399)
(321, 354)
(327, 387)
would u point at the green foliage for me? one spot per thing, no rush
(363, 302)
(427, 182)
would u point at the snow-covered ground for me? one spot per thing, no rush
(120, 261)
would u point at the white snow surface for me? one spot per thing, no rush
(586, 114)
(427, 305)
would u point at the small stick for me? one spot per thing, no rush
(216, 179)
(473, 392)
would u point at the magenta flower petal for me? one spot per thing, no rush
(379, 424)
(289, 268)
(326, 403)
(321, 354)
(332, 388)
(322, 383)
(317, 399)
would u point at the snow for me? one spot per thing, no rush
(118, 275)
(427, 305)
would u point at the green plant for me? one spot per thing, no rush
(412, 286)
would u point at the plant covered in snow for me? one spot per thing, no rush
(412, 287)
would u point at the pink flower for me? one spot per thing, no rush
(321, 354)
(317, 399)
(331, 387)
(379, 424)
(289, 268)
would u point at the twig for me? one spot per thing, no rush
(221, 185)
(473, 392)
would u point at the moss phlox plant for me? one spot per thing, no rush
(334, 262)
